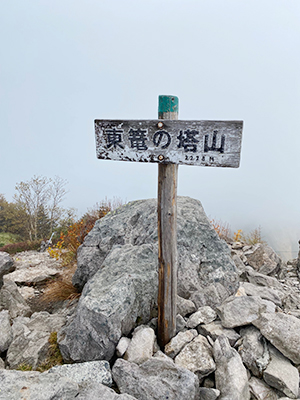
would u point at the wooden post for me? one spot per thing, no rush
(167, 234)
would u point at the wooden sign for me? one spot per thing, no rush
(203, 143)
(169, 142)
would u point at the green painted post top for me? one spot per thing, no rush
(167, 104)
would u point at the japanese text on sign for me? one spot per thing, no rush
(211, 143)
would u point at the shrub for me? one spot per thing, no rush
(237, 236)
(254, 237)
(222, 229)
(14, 248)
(67, 246)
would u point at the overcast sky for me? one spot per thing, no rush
(65, 63)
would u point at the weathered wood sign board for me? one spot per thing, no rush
(169, 142)
(206, 143)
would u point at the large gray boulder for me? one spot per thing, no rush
(283, 331)
(113, 300)
(30, 338)
(117, 266)
(17, 385)
(85, 374)
(204, 259)
(155, 379)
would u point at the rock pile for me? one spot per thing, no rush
(238, 326)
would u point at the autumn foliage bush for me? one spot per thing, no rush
(66, 251)
(223, 230)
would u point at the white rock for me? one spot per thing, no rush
(196, 356)
(204, 315)
(122, 346)
(140, 348)
(179, 341)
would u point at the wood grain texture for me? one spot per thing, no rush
(167, 252)
(167, 243)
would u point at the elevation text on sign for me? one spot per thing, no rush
(207, 143)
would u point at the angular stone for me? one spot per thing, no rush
(118, 265)
(204, 315)
(180, 323)
(2, 364)
(136, 224)
(263, 292)
(240, 311)
(215, 329)
(122, 346)
(27, 292)
(184, 306)
(270, 306)
(212, 295)
(11, 300)
(254, 350)
(262, 280)
(238, 263)
(231, 375)
(124, 291)
(281, 374)
(5, 331)
(283, 331)
(101, 392)
(263, 258)
(6, 265)
(88, 373)
(155, 379)
(17, 385)
(179, 341)
(261, 391)
(31, 275)
(140, 348)
(34, 259)
(209, 394)
(30, 338)
(196, 356)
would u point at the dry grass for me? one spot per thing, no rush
(54, 355)
(62, 288)
(222, 229)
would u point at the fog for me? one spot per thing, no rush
(66, 63)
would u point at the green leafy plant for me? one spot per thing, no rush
(24, 367)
